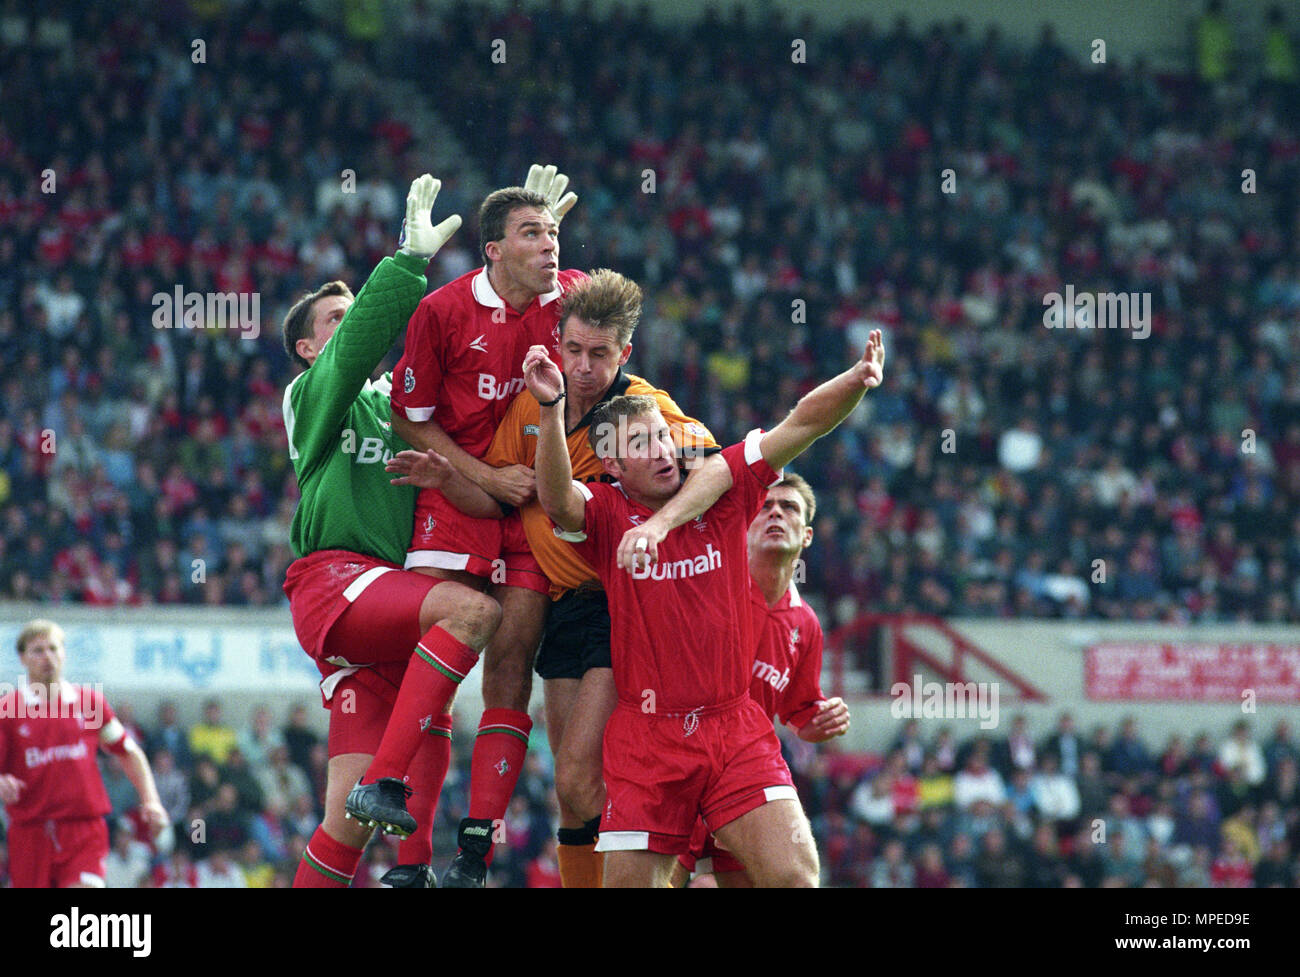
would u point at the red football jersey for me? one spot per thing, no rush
(682, 634)
(53, 751)
(788, 666)
(464, 356)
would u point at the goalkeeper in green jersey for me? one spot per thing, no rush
(357, 613)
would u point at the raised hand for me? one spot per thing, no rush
(419, 236)
(871, 368)
(551, 185)
(543, 377)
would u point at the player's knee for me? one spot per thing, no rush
(480, 616)
(580, 789)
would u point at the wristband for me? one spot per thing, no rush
(551, 403)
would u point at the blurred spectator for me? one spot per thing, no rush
(299, 738)
(260, 737)
(220, 871)
(1241, 753)
(978, 781)
(128, 860)
(212, 737)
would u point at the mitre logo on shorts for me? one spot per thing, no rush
(706, 562)
(408, 380)
(489, 389)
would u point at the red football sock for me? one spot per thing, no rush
(427, 774)
(438, 665)
(498, 760)
(326, 863)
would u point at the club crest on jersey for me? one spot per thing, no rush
(408, 380)
(794, 639)
(502, 767)
(699, 525)
(479, 343)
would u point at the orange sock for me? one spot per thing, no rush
(578, 866)
(581, 866)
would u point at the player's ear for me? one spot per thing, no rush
(304, 348)
(611, 466)
(807, 536)
(493, 251)
(622, 357)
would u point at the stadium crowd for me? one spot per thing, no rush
(1063, 808)
(775, 209)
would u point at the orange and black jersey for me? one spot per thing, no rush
(515, 443)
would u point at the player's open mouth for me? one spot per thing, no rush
(774, 531)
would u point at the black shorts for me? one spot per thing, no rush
(576, 637)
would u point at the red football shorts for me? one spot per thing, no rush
(359, 618)
(666, 771)
(446, 539)
(706, 855)
(57, 854)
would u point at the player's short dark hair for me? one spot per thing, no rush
(602, 434)
(298, 320)
(37, 629)
(606, 300)
(805, 492)
(496, 209)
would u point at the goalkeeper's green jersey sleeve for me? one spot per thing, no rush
(339, 426)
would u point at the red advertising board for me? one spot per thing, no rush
(1156, 671)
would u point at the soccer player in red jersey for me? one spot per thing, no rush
(686, 739)
(598, 320)
(788, 665)
(462, 365)
(50, 732)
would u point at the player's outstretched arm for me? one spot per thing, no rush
(321, 396)
(820, 411)
(513, 484)
(703, 487)
(428, 469)
(555, 489)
